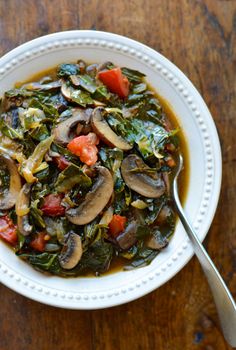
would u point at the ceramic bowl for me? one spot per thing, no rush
(205, 167)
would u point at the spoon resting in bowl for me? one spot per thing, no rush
(224, 301)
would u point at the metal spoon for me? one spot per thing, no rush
(225, 304)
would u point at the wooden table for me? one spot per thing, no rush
(199, 36)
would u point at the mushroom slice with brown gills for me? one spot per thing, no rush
(9, 196)
(22, 210)
(71, 252)
(128, 237)
(140, 178)
(95, 200)
(62, 131)
(156, 241)
(104, 132)
(66, 91)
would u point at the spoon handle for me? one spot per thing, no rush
(225, 304)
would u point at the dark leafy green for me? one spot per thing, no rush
(10, 132)
(65, 70)
(82, 98)
(86, 82)
(37, 214)
(98, 256)
(70, 177)
(133, 75)
(45, 261)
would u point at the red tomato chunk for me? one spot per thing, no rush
(8, 230)
(85, 148)
(39, 242)
(61, 162)
(52, 205)
(117, 225)
(115, 81)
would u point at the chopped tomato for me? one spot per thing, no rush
(39, 242)
(115, 81)
(117, 225)
(85, 148)
(61, 162)
(170, 147)
(8, 230)
(170, 162)
(52, 205)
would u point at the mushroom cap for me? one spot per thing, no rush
(62, 130)
(148, 184)
(8, 198)
(156, 241)
(71, 252)
(66, 91)
(95, 200)
(128, 237)
(103, 130)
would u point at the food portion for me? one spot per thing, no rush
(86, 161)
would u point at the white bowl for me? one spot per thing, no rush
(205, 167)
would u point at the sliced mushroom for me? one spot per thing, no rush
(71, 252)
(75, 80)
(35, 86)
(166, 178)
(92, 69)
(66, 91)
(156, 241)
(62, 130)
(128, 238)
(140, 178)
(107, 216)
(95, 200)
(10, 102)
(164, 214)
(104, 66)
(8, 197)
(22, 210)
(103, 130)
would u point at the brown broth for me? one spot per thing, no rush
(118, 263)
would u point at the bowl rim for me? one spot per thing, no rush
(8, 61)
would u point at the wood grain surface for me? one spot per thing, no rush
(199, 36)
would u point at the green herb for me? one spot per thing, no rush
(133, 75)
(143, 257)
(18, 92)
(37, 214)
(81, 97)
(101, 93)
(86, 82)
(45, 261)
(98, 256)
(70, 177)
(10, 132)
(40, 133)
(49, 109)
(139, 88)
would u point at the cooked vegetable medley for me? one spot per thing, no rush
(86, 157)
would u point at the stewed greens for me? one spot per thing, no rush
(86, 158)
